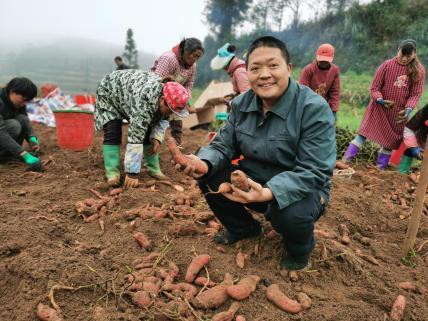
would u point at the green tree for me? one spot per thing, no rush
(131, 52)
(225, 16)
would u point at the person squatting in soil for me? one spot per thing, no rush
(323, 77)
(395, 90)
(235, 67)
(286, 134)
(143, 100)
(180, 64)
(15, 126)
(415, 136)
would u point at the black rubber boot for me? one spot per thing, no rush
(227, 238)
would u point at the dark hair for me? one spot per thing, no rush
(22, 86)
(190, 45)
(118, 58)
(408, 47)
(231, 48)
(268, 41)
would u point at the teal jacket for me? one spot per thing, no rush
(291, 149)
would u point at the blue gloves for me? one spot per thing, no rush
(404, 115)
(380, 101)
(407, 112)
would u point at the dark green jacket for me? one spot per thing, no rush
(291, 150)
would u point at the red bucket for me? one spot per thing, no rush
(74, 129)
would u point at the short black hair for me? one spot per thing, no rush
(22, 86)
(269, 41)
(118, 58)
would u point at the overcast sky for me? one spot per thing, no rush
(157, 24)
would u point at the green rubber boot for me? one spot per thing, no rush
(405, 164)
(152, 164)
(112, 163)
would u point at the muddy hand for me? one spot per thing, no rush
(195, 167)
(256, 194)
(389, 104)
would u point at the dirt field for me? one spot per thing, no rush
(45, 242)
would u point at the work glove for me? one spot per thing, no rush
(404, 115)
(380, 101)
(385, 103)
(34, 143)
(415, 152)
(131, 180)
(33, 162)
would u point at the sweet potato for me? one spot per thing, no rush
(151, 287)
(186, 291)
(111, 202)
(141, 299)
(173, 270)
(136, 286)
(195, 266)
(240, 180)
(160, 214)
(149, 258)
(220, 249)
(322, 234)
(89, 201)
(244, 287)
(96, 193)
(304, 300)
(116, 191)
(277, 297)
(240, 260)
(215, 296)
(341, 165)
(184, 228)
(223, 188)
(46, 313)
(227, 315)
(398, 308)
(210, 231)
(203, 281)
(240, 318)
(143, 240)
(344, 233)
(91, 218)
(272, 234)
(408, 286)
(181, 159)
(214, 225)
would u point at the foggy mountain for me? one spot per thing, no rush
(75, 64)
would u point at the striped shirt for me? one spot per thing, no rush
(390, 82)
(168, 65)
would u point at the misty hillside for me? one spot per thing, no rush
(76, 65)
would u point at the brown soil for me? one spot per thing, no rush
(40, 231)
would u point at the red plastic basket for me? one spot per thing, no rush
(74, 129)
(84, 99)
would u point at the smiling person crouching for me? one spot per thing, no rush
(286, 133)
